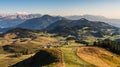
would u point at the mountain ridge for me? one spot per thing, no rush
(82, 27)
(111, 21)
(40, 23)
(13, 20)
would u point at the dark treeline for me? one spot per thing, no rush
(110, 45)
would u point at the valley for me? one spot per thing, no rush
(59, 33)
(59, 42)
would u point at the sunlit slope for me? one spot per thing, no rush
(72, 60)
(43, 58)
(99, 57)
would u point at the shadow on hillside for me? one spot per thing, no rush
(40, 59)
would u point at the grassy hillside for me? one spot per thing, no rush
(63, 51)
(21, 44)
(1, 50)
(72, 60)
(73, 55)
(7, 60)
(99, 57)
(18, 33)
(43, 58)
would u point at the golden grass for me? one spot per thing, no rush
(57, 52)
(39, 41)
(72, 60)
(44, 58)
(99, 57)
(6, 59)
(19, 45)
(5, 41)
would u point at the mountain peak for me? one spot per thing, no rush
(46, 16)
(39, 23)
(83, 19)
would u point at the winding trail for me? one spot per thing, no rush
(72, 60)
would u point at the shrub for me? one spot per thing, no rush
(18, 54)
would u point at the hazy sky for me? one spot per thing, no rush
(108, 8)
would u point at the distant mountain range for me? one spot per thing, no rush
(114, 22)
(13, 20)
(83, 28)
(8, 21)
(40, 23)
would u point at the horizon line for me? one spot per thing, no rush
(26, 13)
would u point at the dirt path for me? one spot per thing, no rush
(72, 60)
(62, 62)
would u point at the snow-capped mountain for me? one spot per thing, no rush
(8, 21)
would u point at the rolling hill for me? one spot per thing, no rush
(45, 57)
(99, 57)
(19, 33)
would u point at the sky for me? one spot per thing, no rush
(107, 8)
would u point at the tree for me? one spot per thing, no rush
(110, 45)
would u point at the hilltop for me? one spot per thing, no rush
(44, 57)
(99, 56)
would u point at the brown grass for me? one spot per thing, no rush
(98, 56)
(19, 45)
(6, 59)
(44, 58)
